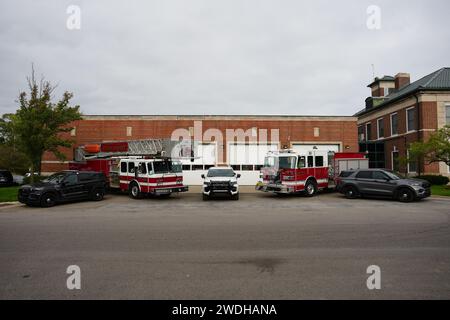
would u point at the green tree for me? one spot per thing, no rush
(435, 149)
(38, 124)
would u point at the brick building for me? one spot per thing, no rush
(245, 155)
(399, 113)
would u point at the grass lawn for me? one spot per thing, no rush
(8, 194)
(440, 190)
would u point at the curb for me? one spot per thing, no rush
(9, 204)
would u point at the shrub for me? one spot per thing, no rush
(27, 180)
(435, 180)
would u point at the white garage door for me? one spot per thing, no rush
(303, 148)
(247, 160)
(249, 154)
(205, 158)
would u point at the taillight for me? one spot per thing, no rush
(179, 180)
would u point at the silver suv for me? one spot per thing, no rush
(381, 183)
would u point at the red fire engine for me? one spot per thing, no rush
(138, 167)
(287, 171)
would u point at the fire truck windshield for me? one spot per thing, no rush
(280, 162)
(166, 166)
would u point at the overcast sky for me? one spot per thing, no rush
(218, 57)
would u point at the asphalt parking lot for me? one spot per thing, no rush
(260, 247)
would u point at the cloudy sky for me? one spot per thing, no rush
(218, 56)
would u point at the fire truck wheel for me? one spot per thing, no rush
(310, 188)
(48, 200)
(351, 192)
(97, 194)
(134, 191)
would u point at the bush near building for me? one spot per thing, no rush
(435, 179)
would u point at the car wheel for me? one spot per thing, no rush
(405, 195)
(350, 192)
(134, 191)
(205, 197)
(310, 188)
(97, 194)
(48, 200)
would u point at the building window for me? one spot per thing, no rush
(394, 124)
(447, 115)
(410, 119)
(361, 133)
(412, 164)
(316, 132)
(380, 128)
(129, 131)
(368, 131)
(73, 132)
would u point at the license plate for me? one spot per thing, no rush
(162, 190)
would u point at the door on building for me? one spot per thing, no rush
(305, 148)
(205, 157)
(247, 159)
(395, 161)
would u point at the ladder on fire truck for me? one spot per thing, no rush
(107, 149)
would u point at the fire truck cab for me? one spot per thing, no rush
(287, 171)
(148, 176)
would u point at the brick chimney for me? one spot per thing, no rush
(401, 80)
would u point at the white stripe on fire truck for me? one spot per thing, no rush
(151, 184)
(301, 182)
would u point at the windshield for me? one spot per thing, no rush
(280, 162)
(55, 178)
(220, 173)
(175, 166)
(167, 166)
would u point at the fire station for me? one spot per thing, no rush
(244, 153)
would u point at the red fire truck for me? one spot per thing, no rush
(138, 167)
(288, 172)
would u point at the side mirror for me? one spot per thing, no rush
(203, 176)
(238, 175)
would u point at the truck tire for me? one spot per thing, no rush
(310, 188)
(405, 195)
(235, 196)
(97, 194)
(48, 200)
(351, 192)
(205, 197)
(133, 191)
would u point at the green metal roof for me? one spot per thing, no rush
(438, 80)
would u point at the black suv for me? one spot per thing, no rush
(381, 183)
(6, 178)
(64, 186)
